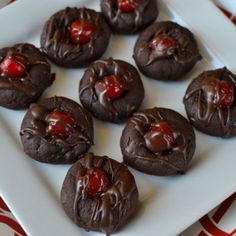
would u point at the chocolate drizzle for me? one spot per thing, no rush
(207, 98)
(98, 71)
(27, 89)
(39, 127)
(160, 137)
(182, 52)
(58, 32)
(141, 124)
(114, 12)
(116, 198)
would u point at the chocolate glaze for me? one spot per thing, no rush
(168, 159)
(35, 128)
(107, 212)
(114, 12)
(57, 44)
(176, 61)
(31, 86)
(56, 36)
(181, 52)
(204, 95)
(158, 141)
(92, 92)
(39, 127)
(27, 89)
(145, 13)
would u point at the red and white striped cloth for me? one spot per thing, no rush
(228, 7)
(219, 222)
(8, 224)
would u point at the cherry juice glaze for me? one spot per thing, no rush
(39, 127)
(33, 59)
(209, 92)
(114, 12)
(105, 68)
(58, 36)
(117, 195)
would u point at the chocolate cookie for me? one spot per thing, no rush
(129, 16)
(99, 194)
(166, 51)
(158, 141)
(74, 37)
(56, 130)
(210, 103)
(24, 75)
(111, 90)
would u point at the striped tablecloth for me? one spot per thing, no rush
(219, 222)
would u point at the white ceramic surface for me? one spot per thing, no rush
(3, 3)
(168, 204)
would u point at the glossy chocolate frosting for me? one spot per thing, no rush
(145, 12)
(39, 127)
(165, 157)
(57, 44)
(176, 61)
(182, 52)
(112, 208)
(41, 145)
(203, 103)
(158, 141)
(93, 95)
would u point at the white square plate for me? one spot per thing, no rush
(168, 204)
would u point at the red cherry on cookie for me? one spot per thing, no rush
(115, 86)
(126, 6)
(161, 44)
(82, 31)
(160, 137)
(226, 94)
(13, 65)
(97, 182)
(60, 124)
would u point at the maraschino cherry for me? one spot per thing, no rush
(114, 85)
(97, 182)
(160, 44)
(160, 137)
(60, 124)
(82, 31)
(13, 65)
(226, 94)
(126, 6)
